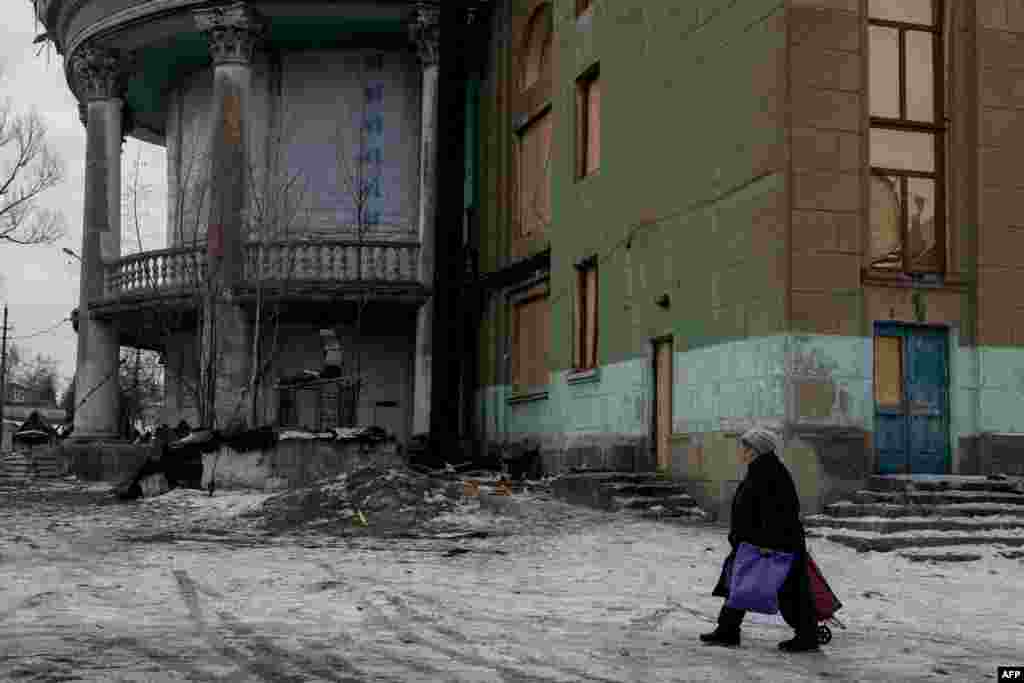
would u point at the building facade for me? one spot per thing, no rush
(300, 139)
(695, 217)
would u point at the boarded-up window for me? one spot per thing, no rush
(318, 404)
(531, 324)
(588, 123)
(888, 372)
(586, 318)
(535, 177)
(537, 51)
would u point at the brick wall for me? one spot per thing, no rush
(1001, 185)
(827, 94)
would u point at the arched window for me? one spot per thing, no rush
(537, 47)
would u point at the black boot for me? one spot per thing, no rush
(728, 637)
(802, 643)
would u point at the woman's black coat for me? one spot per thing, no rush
(766, 513)
(766, 508)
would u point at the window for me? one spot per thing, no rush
(585, 356)
(317, 404)
(588, 123)
(889, 372)
(286, 414)
(537, 51)
(531, 325)
(906, 137)
(535, 177)
(532, 149)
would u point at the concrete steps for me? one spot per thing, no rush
(15, 466)
(925, 482)
(938, 498)
(910, 513)
(641, 493)
(894, 525)
(848, 509)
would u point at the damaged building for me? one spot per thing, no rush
(699, 216)
(678, 220)
(295, 286)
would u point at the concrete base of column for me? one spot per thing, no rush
(422, 368)
(234, 334)
(100, 460)
(97, 383)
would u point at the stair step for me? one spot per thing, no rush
(895, 525)
(941, 557)
(681, 500)
(694, 513)
(653, 488)
(612, 475)
(892, 542)
(892, 483)
(847, 510)
(938, 498)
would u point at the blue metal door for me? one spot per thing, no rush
(911, 399)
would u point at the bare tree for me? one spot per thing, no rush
(135, 204)
(359, 158)
(277, 203)
(141, 377)
(28, 168)
(142, 387)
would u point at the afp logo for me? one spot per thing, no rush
(1011, 673)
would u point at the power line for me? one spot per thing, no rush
(637, 228)
(47, 330)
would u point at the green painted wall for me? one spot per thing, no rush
(689, 198)
(685, 201)
(730, 386)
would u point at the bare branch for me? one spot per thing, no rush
(28, 167)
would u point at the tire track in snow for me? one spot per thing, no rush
(425, 625)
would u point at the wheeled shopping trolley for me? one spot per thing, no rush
(826, 604)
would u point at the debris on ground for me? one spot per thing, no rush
(396, 500)
(379, 500)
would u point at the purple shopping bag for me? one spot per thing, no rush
(757, 576)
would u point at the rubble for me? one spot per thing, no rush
(370, 500)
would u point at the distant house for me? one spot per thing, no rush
(19, 405)
(16, 393)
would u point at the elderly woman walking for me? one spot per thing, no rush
(766, 514)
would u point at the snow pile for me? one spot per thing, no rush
(196, 506)
(388, 500)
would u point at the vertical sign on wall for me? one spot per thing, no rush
(374, 128)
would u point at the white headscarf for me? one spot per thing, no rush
(762, 440)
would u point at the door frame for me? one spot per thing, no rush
(655, 343)
(946, 331)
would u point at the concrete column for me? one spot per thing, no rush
(425, 31)
(97, 77)
(232, 31)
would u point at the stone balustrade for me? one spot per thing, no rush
(180, 271)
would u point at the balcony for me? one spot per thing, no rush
(307, 270)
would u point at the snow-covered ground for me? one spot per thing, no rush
(553, 594)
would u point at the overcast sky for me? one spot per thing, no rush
(40, 284)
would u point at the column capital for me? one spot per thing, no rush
(425, 31)
(98, 73)
(232, 29)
